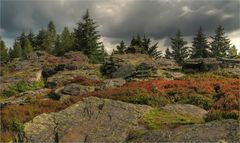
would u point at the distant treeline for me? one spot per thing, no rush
(86, 38)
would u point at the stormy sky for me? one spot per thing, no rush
(121, 19)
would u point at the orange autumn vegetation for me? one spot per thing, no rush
(220, 95)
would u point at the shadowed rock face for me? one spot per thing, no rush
(90, 120)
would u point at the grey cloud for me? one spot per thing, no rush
(121, 19)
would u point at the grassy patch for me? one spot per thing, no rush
(156, 119)
(21, 86)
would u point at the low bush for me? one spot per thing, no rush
(219, 115)
(198, 100)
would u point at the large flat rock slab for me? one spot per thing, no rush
(91, 120)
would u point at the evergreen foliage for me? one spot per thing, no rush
(200, 47)
(179, 49)
(16, 52)
(87, 39)
(120, 48)
(51, 35)
(220, 44)
(27, 48)
(232, 52)
(32, 39)
(64, 42)
(167, 54)
(3, 52)
(43, 41)
(143, 45)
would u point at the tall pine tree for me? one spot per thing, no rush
(3, 52)
(51, 35)
(16, 52)
(179, 49)
(22, 39)
(32, 39)
(43, 41)
(200, 47)
(220, 43)
(87, 39)
(64, 42)
(27, 48)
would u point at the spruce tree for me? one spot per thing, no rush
(232, 52)
(16, 52)
(32, 39)
(3, 52)
(179, 49)
(27, 48)
(64, 42)
(120, 48)
(43, 41)
(51, 35)
(22, 39)
(220, 43)
(168, 54)
(150, 50)
(87, 39)
(200, 47)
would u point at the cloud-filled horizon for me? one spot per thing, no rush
(122, 19)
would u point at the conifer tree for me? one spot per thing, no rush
(150, 50)
(120, 48)
(27, 48)
(16, 52)
(64, 42)
(43, 41)
(87, 39)
(22, 39)
(220, 43)
(168, 54)
(32, 39)
(200, 47)
(3, 52)
(179, 49)
(51, 35)
(232, 52)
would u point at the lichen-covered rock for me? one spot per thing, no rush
(90, 120)
(215, 131)
(185, 109)
(77, 89)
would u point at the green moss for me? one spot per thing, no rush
(156, 119)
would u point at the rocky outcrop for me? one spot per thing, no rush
(90, 120)
(186, 109)
(215, 131)
(201, 65)
(129, 66)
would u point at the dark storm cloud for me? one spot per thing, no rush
(121, 19)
